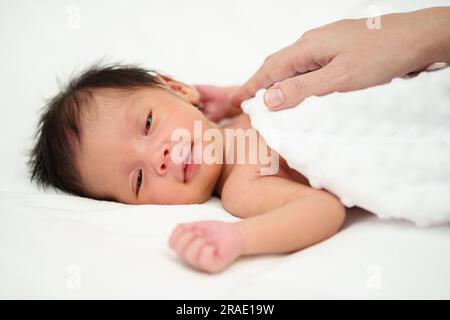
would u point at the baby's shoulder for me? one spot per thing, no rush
(241, 121)
(236, 185)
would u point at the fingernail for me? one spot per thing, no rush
(274, 97)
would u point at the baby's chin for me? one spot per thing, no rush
(185, 200)
(204, 195)
(198, 195)
(199, 200)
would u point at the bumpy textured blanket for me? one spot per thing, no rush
(385, 149)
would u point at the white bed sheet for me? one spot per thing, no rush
(54, 245)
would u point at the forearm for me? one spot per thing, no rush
(433, 35)
(294, 226)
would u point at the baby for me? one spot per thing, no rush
(126, 134)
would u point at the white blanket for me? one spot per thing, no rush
(385, 149)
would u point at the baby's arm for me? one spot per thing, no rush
(280, 216)
(302, 221)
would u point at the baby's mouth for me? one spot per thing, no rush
(187, 163)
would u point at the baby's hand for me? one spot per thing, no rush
(209, 246)
(215, 101)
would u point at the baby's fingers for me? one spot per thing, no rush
(181, 243)
(177, 232)
(209, 261)
(192, 252)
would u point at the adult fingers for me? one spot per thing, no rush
(281, 65)
(290, 92)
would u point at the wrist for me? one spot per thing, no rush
(432, 40)
(243, 238)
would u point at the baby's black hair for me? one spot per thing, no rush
(52, 158)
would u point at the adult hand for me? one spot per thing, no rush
(350, 55)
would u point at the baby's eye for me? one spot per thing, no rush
(148, 124)
(139, 182)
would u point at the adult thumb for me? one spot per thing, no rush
(292, 91)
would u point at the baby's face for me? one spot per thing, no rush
(125, 151)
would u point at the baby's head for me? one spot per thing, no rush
(107, 136)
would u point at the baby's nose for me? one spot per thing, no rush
(164, 161)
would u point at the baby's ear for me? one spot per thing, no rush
(71, 137)
(189, 93)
